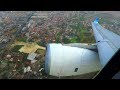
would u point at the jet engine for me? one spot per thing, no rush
(63, 60)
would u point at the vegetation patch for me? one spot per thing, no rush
(22, 39)
(16, 48)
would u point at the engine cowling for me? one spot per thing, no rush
(63, 60)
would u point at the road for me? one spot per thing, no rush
(7, 45)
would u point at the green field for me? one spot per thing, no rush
(16, 48)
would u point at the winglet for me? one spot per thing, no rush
(96, 20)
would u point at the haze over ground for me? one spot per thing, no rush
(114, 13)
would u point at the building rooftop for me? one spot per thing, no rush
(31, 56)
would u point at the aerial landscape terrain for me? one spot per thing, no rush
(25, 34)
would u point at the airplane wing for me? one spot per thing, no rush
(111, 69)
(108, 42)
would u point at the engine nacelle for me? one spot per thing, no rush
(63, 60)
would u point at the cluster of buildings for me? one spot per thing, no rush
(44, 26)
(10, 22)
